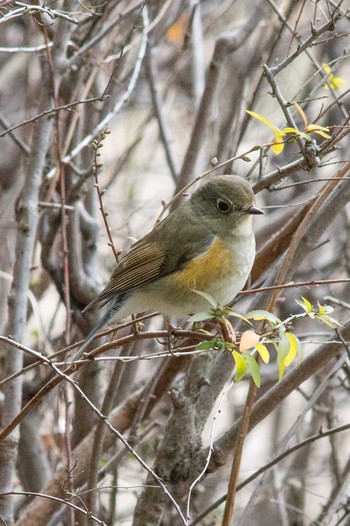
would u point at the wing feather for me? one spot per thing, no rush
(142, 264)
(146, 261)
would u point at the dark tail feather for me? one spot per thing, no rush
(103, 321)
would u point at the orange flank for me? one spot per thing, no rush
(201, 272)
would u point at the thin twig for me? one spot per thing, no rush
(119, 103)
(51, 111)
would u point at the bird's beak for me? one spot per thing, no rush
(254, 210)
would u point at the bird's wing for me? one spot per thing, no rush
(146, 262)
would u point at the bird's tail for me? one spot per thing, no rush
(102, 322)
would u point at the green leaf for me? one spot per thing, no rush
(263, 315)
(253, 367)
(283, 348)
(230, 312)
(263, 351)
(291, 130)
(306, 136)
(200, 316)
(207, 297)
(205, 346)
(241, 365)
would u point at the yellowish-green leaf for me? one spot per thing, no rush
(301, 112)
(253, 367)
(328, 320)
(323, 134)
(320, 130)
(241, 365)
(332, 81)
(283, 348)
(263, 351)
(248, 340)
(304, 304)
(325, 309)
(231, 312)
(293, 349)
(263, 315)
(288, 129)
(323, 315)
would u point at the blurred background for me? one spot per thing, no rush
(171, 82)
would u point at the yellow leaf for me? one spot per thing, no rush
(248, 340)
(293, 349)
(301, 113)
(277, 147)
(332, 81)
(320, 130)
(277, 144)
(337, 82)
(323, 134)
(307, 304)
(316, 127)
(265, 121)
(262, 350)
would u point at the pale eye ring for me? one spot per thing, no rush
(223, 206)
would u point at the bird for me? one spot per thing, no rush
(207, 244)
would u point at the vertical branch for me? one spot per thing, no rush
(197, 53)
(238, 451)
(100, 431)
(27, 217)
(159, 112)
(226, 44)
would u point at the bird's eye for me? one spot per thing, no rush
(223, 206)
